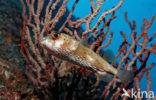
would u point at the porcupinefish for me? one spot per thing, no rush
(66, 48)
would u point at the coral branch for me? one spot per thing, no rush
(55, 78)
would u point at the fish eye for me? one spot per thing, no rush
(55, 36)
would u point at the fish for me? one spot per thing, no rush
(108, 55)
(69, 49)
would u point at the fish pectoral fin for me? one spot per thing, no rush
(64, 68)
(86, 42)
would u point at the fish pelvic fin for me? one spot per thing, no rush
(125, 76)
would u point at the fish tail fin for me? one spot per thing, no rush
(125, 76)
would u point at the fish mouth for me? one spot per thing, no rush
(46, 42)
(42, 42)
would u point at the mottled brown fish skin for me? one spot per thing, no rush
(93, 60)
(67, 48)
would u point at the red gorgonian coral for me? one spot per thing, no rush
(56, 78)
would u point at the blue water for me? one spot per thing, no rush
(137, 10)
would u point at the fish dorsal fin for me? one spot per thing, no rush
(108, 55)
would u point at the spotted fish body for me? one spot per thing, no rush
(65, 47)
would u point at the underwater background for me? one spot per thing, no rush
(137, 10)
(12, 65)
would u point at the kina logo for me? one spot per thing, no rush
(125, 93)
